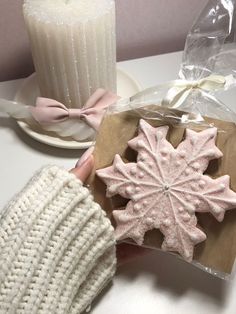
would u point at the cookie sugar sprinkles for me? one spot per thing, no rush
(166, 187)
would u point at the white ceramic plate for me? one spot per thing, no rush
(27, 94)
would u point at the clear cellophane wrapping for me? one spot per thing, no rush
(208, 70)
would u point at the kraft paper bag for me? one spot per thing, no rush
(216, 254)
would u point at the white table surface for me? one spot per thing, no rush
(156, 283)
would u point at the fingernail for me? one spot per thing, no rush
(84, 157)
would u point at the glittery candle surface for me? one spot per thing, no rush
(74, 47)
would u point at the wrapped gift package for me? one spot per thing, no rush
(185, 112)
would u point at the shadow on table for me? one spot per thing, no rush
(176, 276)
(6, 122)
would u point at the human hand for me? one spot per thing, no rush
(84, 166)
(125, 252)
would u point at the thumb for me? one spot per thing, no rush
(84, 170)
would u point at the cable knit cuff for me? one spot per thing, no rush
(57, 248)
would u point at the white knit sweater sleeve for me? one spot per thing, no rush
(57, 247)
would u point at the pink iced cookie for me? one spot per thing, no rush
(166, 186)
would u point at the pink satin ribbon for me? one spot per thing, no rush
(47, 111)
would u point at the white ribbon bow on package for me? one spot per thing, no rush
(181, 89)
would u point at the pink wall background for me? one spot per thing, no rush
(144, 28)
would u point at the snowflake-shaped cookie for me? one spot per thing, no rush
(166, 186)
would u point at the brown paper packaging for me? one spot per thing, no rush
(218, 252)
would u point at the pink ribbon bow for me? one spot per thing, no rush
(48, 111)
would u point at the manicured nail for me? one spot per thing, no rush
(84, 157)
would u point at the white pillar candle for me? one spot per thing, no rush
(73, 46)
